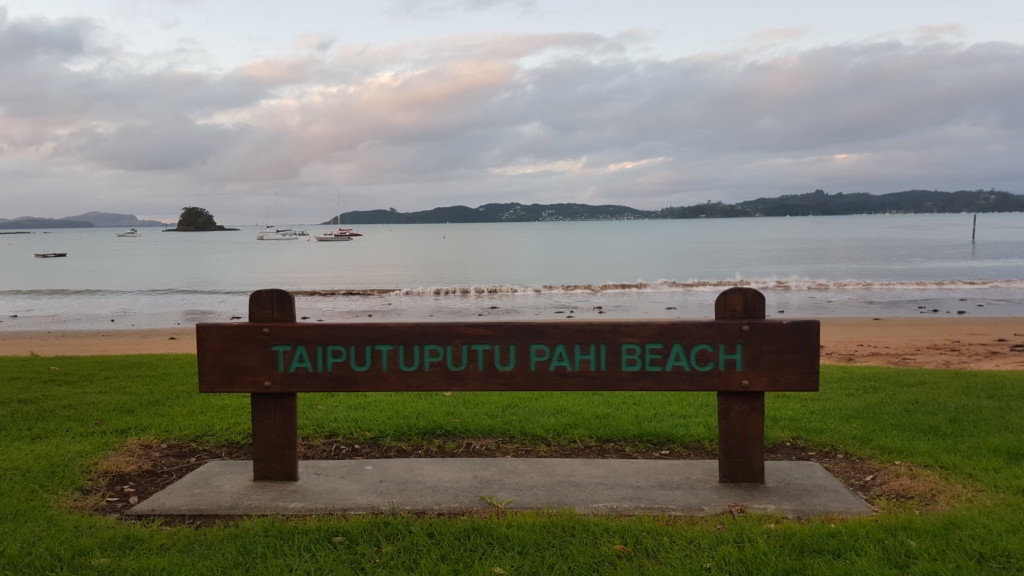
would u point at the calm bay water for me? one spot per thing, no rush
(812, 266)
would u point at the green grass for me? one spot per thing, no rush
(59, 416)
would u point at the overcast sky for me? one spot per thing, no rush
(147, 106)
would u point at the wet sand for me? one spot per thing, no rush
(949, 343)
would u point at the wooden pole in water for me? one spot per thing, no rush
(974, 228)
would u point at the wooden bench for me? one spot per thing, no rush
(739, 355)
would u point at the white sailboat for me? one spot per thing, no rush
(338, 234)
(272, 232)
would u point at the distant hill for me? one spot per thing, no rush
(817, 203)
(508, 212)
(111, 219)
(820, 203)
(29, 222)
(87, 220)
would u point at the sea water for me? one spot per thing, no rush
(879, 265)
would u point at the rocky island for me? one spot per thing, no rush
(194, 219)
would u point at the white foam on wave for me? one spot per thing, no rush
(790, 284)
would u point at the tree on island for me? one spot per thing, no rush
(194, 219)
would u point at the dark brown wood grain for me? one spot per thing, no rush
(275, 416)
(741, 414)
(776, 356)
(739, 355)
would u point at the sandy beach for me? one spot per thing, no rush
(948, 343)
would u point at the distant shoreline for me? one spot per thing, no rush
(817, 203)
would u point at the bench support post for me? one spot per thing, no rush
(275, 416)
(740, 414)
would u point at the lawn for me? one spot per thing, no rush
(61, 416)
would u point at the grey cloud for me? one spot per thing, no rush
(49, 71)
(34, 63)
(728, 123)
(465, 119)
(170, 93)
(33, 40)
(811, 101)
(174, 144)
(854, 95)
(828, 101)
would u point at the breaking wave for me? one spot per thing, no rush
(793, 284)
(770, 285)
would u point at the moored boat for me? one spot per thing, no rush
(50, 254)
(271, 233)
(339, 234)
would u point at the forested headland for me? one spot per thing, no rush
(817, 203)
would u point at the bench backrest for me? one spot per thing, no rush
(719, 355)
